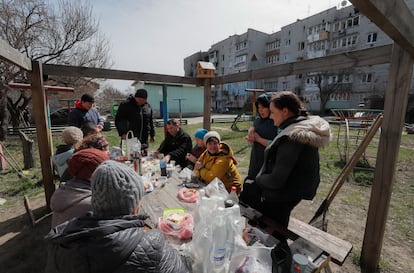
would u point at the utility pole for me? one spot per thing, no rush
(179, 107)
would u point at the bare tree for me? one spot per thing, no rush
(326, 87)
(62, 34)
(108, 96)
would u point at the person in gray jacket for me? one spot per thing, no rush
(113, 237)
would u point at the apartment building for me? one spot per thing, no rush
(333, 31)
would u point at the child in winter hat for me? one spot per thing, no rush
(210, 135)
(116, 190)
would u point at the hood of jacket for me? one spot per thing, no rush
(311, 130)
(62, 154)
(226, 151)
(78, 105)
(91, 245)
(70, 193)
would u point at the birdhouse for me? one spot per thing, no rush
(205, 70)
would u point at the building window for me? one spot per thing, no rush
(241, 45)
(285, 86)
(372, 37)
(287, 58)
(301, 46)
(366, 77)
(240, 59)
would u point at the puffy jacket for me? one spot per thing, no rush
(59, 159)
(90, 245)
(71, 199)
(138, 119)
(290, 171)
(79, 116)
(221, 165)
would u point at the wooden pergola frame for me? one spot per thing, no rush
(393, 17)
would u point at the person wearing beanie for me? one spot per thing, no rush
(84, 112)
(218, 161)
(70, 137)
(73, 198)
(176, 144)
(113, 237)
(260, 135)
(135, 114)
(198, 148)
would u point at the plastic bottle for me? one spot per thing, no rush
(218, 250)
(163, 167)
(233, 195)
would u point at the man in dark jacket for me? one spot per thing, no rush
(176, 144)
(112, 238)
(84, 112)
(135, 114)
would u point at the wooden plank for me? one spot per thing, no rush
(345, 60)
(396, 98)
(392, 17)
(43, 132)
(79, 71)
(10, 54)
(338, 249)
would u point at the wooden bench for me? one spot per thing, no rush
(337, 248)
(160, 123)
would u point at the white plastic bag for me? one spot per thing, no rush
(132, 145)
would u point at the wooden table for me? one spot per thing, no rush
(154, 203)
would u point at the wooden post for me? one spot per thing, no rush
(207, 104)
(28, 154)
(43, 132)
(396, 98)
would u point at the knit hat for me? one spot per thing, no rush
(141, 93)
(200, 133)
(88, 98)
(116, 189)
(72, 135)
(82, 163)
(211, 134)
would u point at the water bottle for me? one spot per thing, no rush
(163, 167)
(218, 250)
(233, 195)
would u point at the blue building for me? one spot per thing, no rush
(185, 99)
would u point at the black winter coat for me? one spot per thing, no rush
(90, 245)
(290, 171)
(177, 147)
(138, 119)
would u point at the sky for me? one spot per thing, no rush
(154, 36)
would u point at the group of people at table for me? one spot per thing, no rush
(96, 225)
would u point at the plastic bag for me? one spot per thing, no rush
(177, 223)
(217, 231)
(132, 145)
(216, 188)
(256, 258)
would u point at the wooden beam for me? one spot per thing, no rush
(345, 60)
(396, 98)
(42, 129)
(392, 17)
(79, 71)
(17, 85)
(12, 55)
